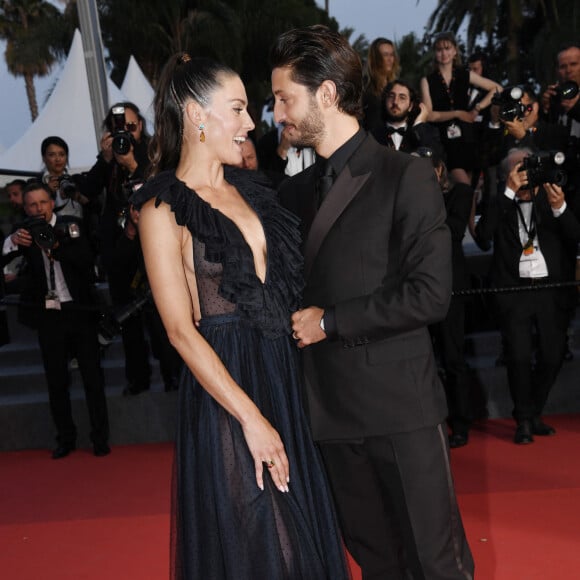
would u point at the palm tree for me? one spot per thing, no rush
(503, 23)
(33, 35)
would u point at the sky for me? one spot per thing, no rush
(372, 18)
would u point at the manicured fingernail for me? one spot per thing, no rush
(261, 487)
(282, 489)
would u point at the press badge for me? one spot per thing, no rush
(453, 131)
(51, 302)
(529, 254)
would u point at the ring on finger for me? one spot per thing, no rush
(270, 463)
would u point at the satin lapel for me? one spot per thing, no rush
(343, 191)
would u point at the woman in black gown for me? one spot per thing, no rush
(250, 498)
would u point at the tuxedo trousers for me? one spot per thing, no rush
(397, 507)
(63, 334)
(533, 325)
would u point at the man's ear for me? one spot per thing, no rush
(327, 93)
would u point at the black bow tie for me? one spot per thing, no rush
(400, 130)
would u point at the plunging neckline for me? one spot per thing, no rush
(239, 230)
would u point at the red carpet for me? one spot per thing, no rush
(88, 518)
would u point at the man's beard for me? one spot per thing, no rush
(311, 128)
(396, 118)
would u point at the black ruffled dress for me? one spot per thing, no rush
(223, 526)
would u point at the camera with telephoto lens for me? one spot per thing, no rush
(122, 139)
(544, 167)
(510, 103)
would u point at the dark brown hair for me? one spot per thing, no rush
(183, 79)
(316, 54)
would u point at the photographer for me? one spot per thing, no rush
(63, 187)
(561, 106)
(122, 159)
(57, 302)
(519, 114)
(128, 283)
(533, 235)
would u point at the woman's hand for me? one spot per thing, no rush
(466, 116)
(267, 448)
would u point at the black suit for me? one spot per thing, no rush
(68, 332)
(450, 332)
(546, 311)
(377, 255)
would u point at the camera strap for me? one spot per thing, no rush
(528, 247)
(51, 301)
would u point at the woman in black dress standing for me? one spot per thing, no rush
(445, 93)
(250, 499)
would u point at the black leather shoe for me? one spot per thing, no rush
(523, 434)
(458, 439)
(540, 428)
(62, 451)
(101, 449)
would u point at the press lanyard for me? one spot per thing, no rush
(528, 247)
(51, 276)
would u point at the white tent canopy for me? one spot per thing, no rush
(68, 114)
(137, 89)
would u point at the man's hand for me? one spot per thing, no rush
(518, 179)
(516, 128)
(306, 326)
(567, 104)
(555, 195)
(107, 147)
(21, 237)
(127, 161)
(547, 97)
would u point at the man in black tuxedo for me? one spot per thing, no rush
(378, 272)
(405, 125)
(534, 234)
(58, 302)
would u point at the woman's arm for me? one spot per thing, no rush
(487, 85)
(168, 253)
(442, 116)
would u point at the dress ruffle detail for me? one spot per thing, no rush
(266, 306)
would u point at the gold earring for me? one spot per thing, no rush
(202, 134)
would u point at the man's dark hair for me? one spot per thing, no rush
(316, 54)
(34, 186)
(20, 182)
(108, 122)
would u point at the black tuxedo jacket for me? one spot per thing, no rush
(378, 251)
(76, 258)
(420, 135)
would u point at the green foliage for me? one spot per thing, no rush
(521, 37)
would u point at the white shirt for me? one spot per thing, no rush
(533, 265)
(397, 138)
